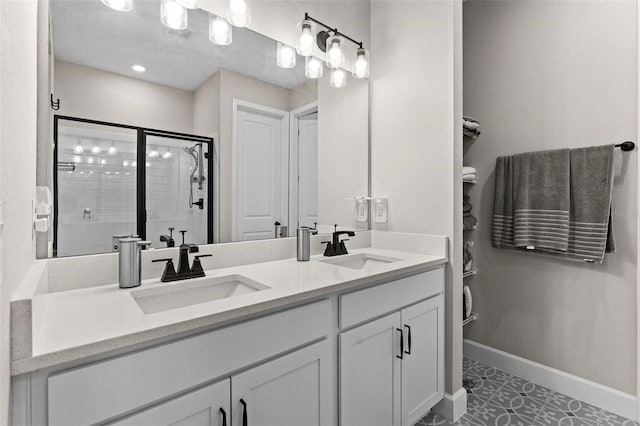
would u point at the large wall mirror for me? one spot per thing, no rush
(161, 130)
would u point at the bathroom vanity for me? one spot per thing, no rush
(352, 340)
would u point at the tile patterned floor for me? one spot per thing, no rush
(501, 399)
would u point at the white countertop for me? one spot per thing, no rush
(86, 322)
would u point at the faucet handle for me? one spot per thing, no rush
(197, 266)
(184, 231)
(169, 269)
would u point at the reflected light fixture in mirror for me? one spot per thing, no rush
(119, 5)
(286, 56)
(173, 15)
(138, 68)
(313, 67)
(219, 31)
(338, 78)
(304, 45)
(239, 13)
(112, 149)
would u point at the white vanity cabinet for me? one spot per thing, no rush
(290, 390)
(208, 406)
(392, 368)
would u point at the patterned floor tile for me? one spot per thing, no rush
(498, 398)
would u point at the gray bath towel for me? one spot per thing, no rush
(558, 202)
(590, 230)
(502, 227)
(541, 200)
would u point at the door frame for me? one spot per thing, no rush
(294, 184)
(238, 106)
(140, 171)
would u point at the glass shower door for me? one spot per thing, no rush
(177, 188)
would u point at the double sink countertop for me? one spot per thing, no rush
(70, 325)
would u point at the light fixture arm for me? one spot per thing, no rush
(333, 30)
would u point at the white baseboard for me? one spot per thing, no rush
(452, 407)
(615, 401)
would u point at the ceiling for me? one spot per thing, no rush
(88, 33)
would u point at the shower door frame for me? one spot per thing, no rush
(141, 170)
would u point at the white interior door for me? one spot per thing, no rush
(308, 170)
(261, 178)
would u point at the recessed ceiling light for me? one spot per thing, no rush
(138, 68)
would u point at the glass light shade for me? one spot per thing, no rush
(112, 150)
(335, 54)
(95, 150)
(306, 38)
(166, 155)
(78, 149)
(361, 63)
(173, 15)
(119, 5)
(313, 67)
(189, 4)
(338, 78)
(286, 56)
(219, 31)
(239, 13)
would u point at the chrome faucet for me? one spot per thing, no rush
(130, 264)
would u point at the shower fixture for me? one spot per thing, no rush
(197, 175)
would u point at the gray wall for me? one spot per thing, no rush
(546, 75)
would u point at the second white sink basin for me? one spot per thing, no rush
(193, 292)
(360, 260)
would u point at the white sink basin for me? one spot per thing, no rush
(360, 260)
(192, 292)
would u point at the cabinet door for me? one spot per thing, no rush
(423, 363)
(370, 374)
(208, 406)
(292, 390)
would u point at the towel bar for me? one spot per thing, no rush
(626, 146)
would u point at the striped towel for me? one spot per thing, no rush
(555, 202)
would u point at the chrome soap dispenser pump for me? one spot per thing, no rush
(130, 262)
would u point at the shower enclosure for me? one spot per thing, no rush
(112, 180)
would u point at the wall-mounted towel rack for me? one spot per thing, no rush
(626, 146)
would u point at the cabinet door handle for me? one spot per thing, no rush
(224, 416)
(401, 343)
(245, 422)
(408, 339)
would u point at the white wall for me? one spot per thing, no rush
(416, 138)
(99, 95)
(18, 47)
(548, 75)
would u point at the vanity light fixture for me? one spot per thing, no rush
(77, 159)
(153, 154)
(90, 160)
(239, 13)
(335, 54)
(119, 5)
(189, 4)
(138, 68)
(219, 31)
(338, 78)
(103, 162)
(313, 67)
(361, 63)
(125, 163)
(134, 164)
(286, 57)
(331, 41)
(112, 150)
(306, 39)
(95, 150)
(166, 155)
(173, 15)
